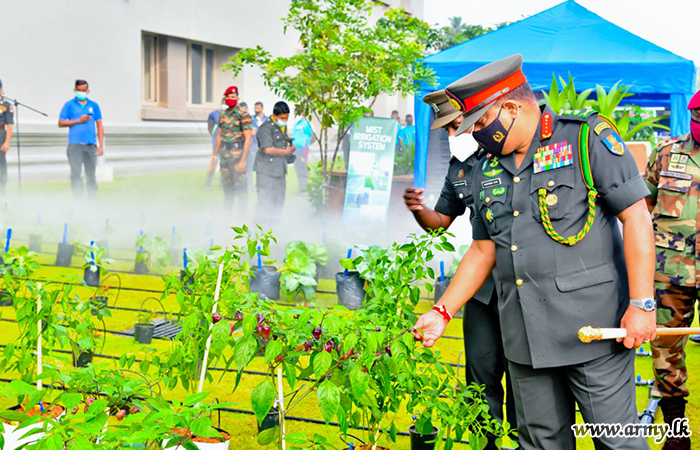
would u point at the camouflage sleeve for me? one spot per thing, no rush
(615, 173)
(246, 122)
(651, 173)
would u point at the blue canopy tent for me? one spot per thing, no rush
(568, 38)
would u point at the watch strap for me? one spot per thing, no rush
(646, 304)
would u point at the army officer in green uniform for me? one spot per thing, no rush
(7, 120)
(548, 198)
(483, 348)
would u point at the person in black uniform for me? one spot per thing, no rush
(548, 197)
(483, 348)
(7, 120)
(275, 151)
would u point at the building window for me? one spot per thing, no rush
(150, 72)
(201, 74)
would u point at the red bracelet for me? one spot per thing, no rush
(443, 312)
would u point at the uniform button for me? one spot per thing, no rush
(519, 282)
(516, 180)
(513, 248)
(461, 195)
(516, 213)
(551, 183)
(488, 200)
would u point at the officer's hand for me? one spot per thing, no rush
(640, 326)
(240, 167)
(100, 151)
(413, 197)
(433, 326)
(5, 147)
(84, 118)
(291, 149)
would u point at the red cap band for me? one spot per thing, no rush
(231, 89)
(490, 94)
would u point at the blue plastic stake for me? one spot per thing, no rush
(65, 232)
(41, 406)
(140, 246)
(92, 255)
(352, 446)
(345, 274)
(442, 270)
(7, 242)
(259, 259)
(172, 237)
(184, 256)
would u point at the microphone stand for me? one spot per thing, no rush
(17, 105)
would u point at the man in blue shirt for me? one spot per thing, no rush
(213, 127)
(407, 135)
(82, 116)
(302, 136)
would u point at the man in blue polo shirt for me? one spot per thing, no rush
(82, 116)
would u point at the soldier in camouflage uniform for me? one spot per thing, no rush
(673, 177)
(232, 146)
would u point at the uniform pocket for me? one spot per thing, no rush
(671, 196)
(670, 248)
(559, 184)
(585, 278)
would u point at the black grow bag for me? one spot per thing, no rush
(35, 243)
(350, 289)
(141, 268)
(64, 256)
(84, 359)
(266, 282)
(144, 333)
(420, 442)
(92, 278)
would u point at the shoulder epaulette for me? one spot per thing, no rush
(480, 153)
(578, 115)
(669, 142)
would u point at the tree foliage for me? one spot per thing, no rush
(458, 32)
(348, 58)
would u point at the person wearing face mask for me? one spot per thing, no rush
(213, 127)
(82, 116)
(232, 146)
(673, 177)
(275, 151)
(483, 348)
(547, 199)
(7, 120)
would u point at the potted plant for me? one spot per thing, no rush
(35, 243)
(298, 274)
(94, 265)
(20, 264)
(350, 284)
(153, 255)
(75, 327)
(143, 329)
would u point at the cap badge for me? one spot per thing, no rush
(436, 108)
(456, 104)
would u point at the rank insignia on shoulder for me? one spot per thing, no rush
(497, 192)
(553, 157)
(684, 159)
(481, 195)
(580, 113)
(676, 158)
(460, 173)
(614, 144)
(602, 126)
(489, 215)
(676, 148)
(546, 126)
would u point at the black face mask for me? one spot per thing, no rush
(493, 136)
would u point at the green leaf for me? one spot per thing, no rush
(267, 437)
(296, 439)
(244, 351)
(274, 348)
(194, 399)
(322, 362)
(262, 398)
(202, 427)
(328, 400)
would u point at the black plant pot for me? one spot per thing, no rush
(101, 299)
(64, 256)
(144, 333)
(419, 441)
(5, 298)
(141, 268)
(266, 282)
(350, 289)
(35, 243)
(271, 420)
(92, 278)
(84, 359)
(189, 280)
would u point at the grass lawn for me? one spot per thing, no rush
(157, 203)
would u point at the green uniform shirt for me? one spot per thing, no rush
(7, 117)
(673, 177)
(271, 135)
(233, 123)
(547, 290)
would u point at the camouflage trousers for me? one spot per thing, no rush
(232, 182)
(675, 308)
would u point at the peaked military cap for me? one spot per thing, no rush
(475, 93)
(444, 111)
(693, 104)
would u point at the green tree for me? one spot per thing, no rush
(457, 32)
(347, 59)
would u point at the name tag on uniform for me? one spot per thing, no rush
(459, 183)
(682, 176)
(490, 183)
(553, 157)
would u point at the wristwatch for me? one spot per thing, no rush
(443, 312)
(647, 304)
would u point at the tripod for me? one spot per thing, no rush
(17, 105)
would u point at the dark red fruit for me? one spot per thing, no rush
(308, 345)
(348, 354)
(378, 329)
(329, 346)
(121, 414)
(233, 328)
(134, 410)
(238, 316)
(216, 317)
(75, 410)
(279, 358)
(265, 331)
(387, 349)
(317, 333)
(89, 401)
(261, 318)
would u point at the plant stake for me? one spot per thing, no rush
(38, 344)
(280, 405)
(184, 257)
(213, 310)
(65, 232)
(345, 274)
(442, 270)
(259, 259)
(92, 254)
(7, 241)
